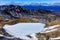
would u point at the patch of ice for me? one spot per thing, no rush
(20, 30)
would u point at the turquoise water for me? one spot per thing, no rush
(21, 29)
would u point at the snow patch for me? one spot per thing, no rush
(57, 38)
(50, 29)
(20, 30)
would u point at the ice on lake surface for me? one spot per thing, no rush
(21, 29)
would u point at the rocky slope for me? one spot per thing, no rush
(12, 12)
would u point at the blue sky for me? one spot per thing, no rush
(48, 1)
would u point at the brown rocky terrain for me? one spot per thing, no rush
(56, 22)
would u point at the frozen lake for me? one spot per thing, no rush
(20, 30)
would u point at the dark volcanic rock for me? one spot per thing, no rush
(6, 36)
(16, 11)
(3, 38)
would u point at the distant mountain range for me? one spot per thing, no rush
(44, 6)
(21, 4)
(51, 8)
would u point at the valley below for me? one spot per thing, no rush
(14, 15)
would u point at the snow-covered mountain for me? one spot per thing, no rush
(43, 4)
